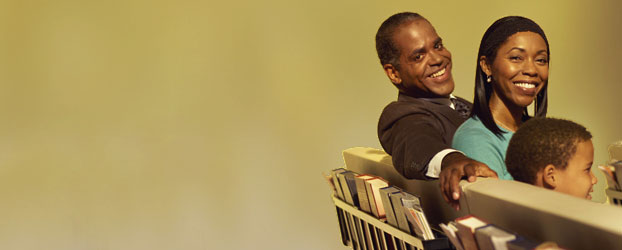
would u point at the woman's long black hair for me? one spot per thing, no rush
(494, 37)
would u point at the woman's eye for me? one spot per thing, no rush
(515, 58)
(542, 60)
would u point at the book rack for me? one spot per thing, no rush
(615, 197)
(363, 231)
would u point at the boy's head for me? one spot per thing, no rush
(553, 153)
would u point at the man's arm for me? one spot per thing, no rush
(434, 166)
(455, 166)
(413, 141)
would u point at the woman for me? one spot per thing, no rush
(512, 71)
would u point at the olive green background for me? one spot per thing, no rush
(206, 125)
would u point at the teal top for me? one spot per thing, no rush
(479, 143)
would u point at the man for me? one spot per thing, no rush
(418, 128)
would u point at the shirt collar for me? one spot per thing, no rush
(439, 100)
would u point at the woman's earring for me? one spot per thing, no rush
(489, 79)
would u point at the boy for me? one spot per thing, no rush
(553, 153)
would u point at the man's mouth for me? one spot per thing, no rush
(438, 73)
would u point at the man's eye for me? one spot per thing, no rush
(418, 57)
(438, 46)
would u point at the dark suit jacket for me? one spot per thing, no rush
(413, 130)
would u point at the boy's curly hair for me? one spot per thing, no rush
(542, 141)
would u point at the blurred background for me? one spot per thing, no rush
(207, 125)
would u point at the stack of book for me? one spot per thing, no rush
(374, 195)
(472, 233)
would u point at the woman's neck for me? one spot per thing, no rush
(505, 114)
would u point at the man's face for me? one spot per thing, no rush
(577, 179)
(425, 64)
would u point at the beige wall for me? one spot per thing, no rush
(206, 125)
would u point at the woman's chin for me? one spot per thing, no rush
(524, 102)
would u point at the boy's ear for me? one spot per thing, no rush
(549, 177)
(393, 74)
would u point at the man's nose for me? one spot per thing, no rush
(435, 58)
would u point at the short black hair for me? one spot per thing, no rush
(495, 36)
(388, 53)
(540, 142)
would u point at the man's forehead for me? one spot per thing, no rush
(416, 33)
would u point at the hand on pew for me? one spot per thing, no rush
(456, 166)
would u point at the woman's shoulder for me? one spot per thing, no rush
(475, 140)
(472, 127)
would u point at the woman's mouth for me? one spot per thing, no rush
(527, 88)
(525, 85)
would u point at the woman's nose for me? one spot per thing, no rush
(529, 68)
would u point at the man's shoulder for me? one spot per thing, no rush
(414, 103)
(406, 107)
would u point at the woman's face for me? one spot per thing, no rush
(519, 70)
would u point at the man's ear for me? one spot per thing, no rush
(393, 74)
(550, 179)
(484, 65)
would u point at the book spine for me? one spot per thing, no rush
(378, 199)
(451, 234)
(337, 183)
(372, 201)
(483, 240)
(427, 231)
(362, 194)
(351, 183)
(467, 238)
(385, 195)
(402, 222)
(414, 221)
